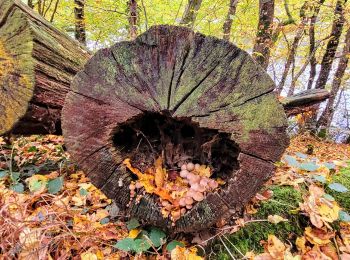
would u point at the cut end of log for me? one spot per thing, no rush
(37, 63)
(179, 94)
(16, 85)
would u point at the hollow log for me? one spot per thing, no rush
(37, 63)
(304, 101)
(184, 95)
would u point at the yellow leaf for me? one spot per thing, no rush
(133, 233)
(275, 247)
(275, 219)
(178, 253)
(204, 170)
(318, 236)
(300, 242)
(37, 183)
(328, 213)
(160, 173)
(88, 256)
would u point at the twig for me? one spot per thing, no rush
(227, 249)
(234, 246)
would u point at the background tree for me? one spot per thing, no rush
(229, 18)
(190, 13)
(80, 32)
(325, 120)
(133, 17)
(263, 42)
(332, 45)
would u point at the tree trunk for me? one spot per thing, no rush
(229, 18)
(325, 120)
(312, 50)
(304, 101)
(190, 14)
(293, 48)
(179, 94)
(36, 65)
(332, 45)
(132, 6)
(263, 41)
(80, 31)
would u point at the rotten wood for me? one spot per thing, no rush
(304, 101)
(37, 63)
(175, 92)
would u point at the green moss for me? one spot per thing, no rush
(248, 238)
(343, 177)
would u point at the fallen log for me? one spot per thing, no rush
(37, 63)
(304, 101)
(183, 96)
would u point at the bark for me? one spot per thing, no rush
(332, 44)
(325, 120)
(304, 101)
(263, 41)
(133, 17)
(36, 66)
(79, 18)
(229, 18)
(293, 48)
(190, 14)
(182, 90)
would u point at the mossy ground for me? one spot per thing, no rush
(343, 177)
(285, 199)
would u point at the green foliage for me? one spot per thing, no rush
(132, 224)
(342, 177)
(284, 200)
(150, 237)
(55, 185)
(170, 246)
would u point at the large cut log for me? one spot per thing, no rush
(184, 95)
(37, 63)
(304, 101)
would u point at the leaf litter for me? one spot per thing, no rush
(49, 209)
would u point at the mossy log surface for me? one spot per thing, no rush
(175, 92)
(37, 63)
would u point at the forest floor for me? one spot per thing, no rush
(50, 210)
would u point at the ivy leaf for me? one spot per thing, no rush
(301, 155)
(173, 244)
(141, 245)
(328, 197)
(14, 176)
(157, 237)
(319, 178)
(3, 174)
(18, 187)
(126, 244)
(344, 216)
(83, 192)
(330, 166)
(132, 224)
(291, 161)
(309, 166)
(104, 221)
(338, 187)
(55, 185)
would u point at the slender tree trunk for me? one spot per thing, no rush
(80, 32)
(190, 14)
(332, 45)
(30, 4)
(229, 18)
(292, 50)
(325, 119)
(312, 50)
(132, 5)
(263, 41)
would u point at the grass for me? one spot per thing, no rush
(284, 200)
